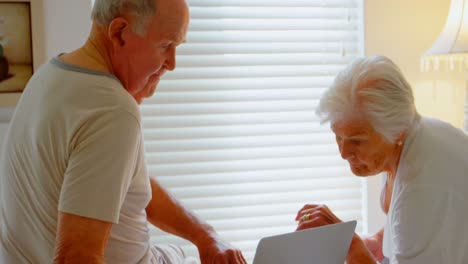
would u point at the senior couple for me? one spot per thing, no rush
(74, 183)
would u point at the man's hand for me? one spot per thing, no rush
(165, 212)
(214, 250)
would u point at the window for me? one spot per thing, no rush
(232, 132)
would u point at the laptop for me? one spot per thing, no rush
(321, 245)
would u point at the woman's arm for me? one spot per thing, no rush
(374, 244)
(359, 253)
(314, 215)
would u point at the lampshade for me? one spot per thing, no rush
(451, 47)
(454, 37)
(450, 50)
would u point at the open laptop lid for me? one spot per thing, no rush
(321, 245)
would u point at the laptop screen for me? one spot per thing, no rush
(321, 245)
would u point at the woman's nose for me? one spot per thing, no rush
(346, 150)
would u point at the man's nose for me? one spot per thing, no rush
(170, 62)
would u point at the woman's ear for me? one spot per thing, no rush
(116, 31)
(401, 139)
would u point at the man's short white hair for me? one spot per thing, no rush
(375, 88)
(104, 11)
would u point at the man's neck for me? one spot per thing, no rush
(93, 55)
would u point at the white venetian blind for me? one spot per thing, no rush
(232, 131)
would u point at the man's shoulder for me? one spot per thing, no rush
(89, 91)
(70, 99)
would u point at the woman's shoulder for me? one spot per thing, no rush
(434, 139)
(436, 156)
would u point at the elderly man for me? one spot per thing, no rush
(74, 183)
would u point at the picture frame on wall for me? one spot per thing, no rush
(21, 35)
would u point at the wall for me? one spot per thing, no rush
(67, 24)
(404, 30)
(65, 27)
(5, 115)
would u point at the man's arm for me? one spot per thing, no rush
(168, 214)
(80, 239)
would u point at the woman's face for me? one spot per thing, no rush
(367, 152)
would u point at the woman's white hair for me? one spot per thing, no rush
(375, 88)
(104, 11)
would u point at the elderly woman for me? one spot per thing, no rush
(371, 110)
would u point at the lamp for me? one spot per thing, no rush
(450, 50)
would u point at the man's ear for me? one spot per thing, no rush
(116, 31)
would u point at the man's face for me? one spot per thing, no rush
(144, 59)
(367, 152)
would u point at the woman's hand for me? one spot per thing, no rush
(314, 215)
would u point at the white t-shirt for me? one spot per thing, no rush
(428, 217)
(74, 145)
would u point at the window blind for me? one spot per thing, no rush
(232, 131)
